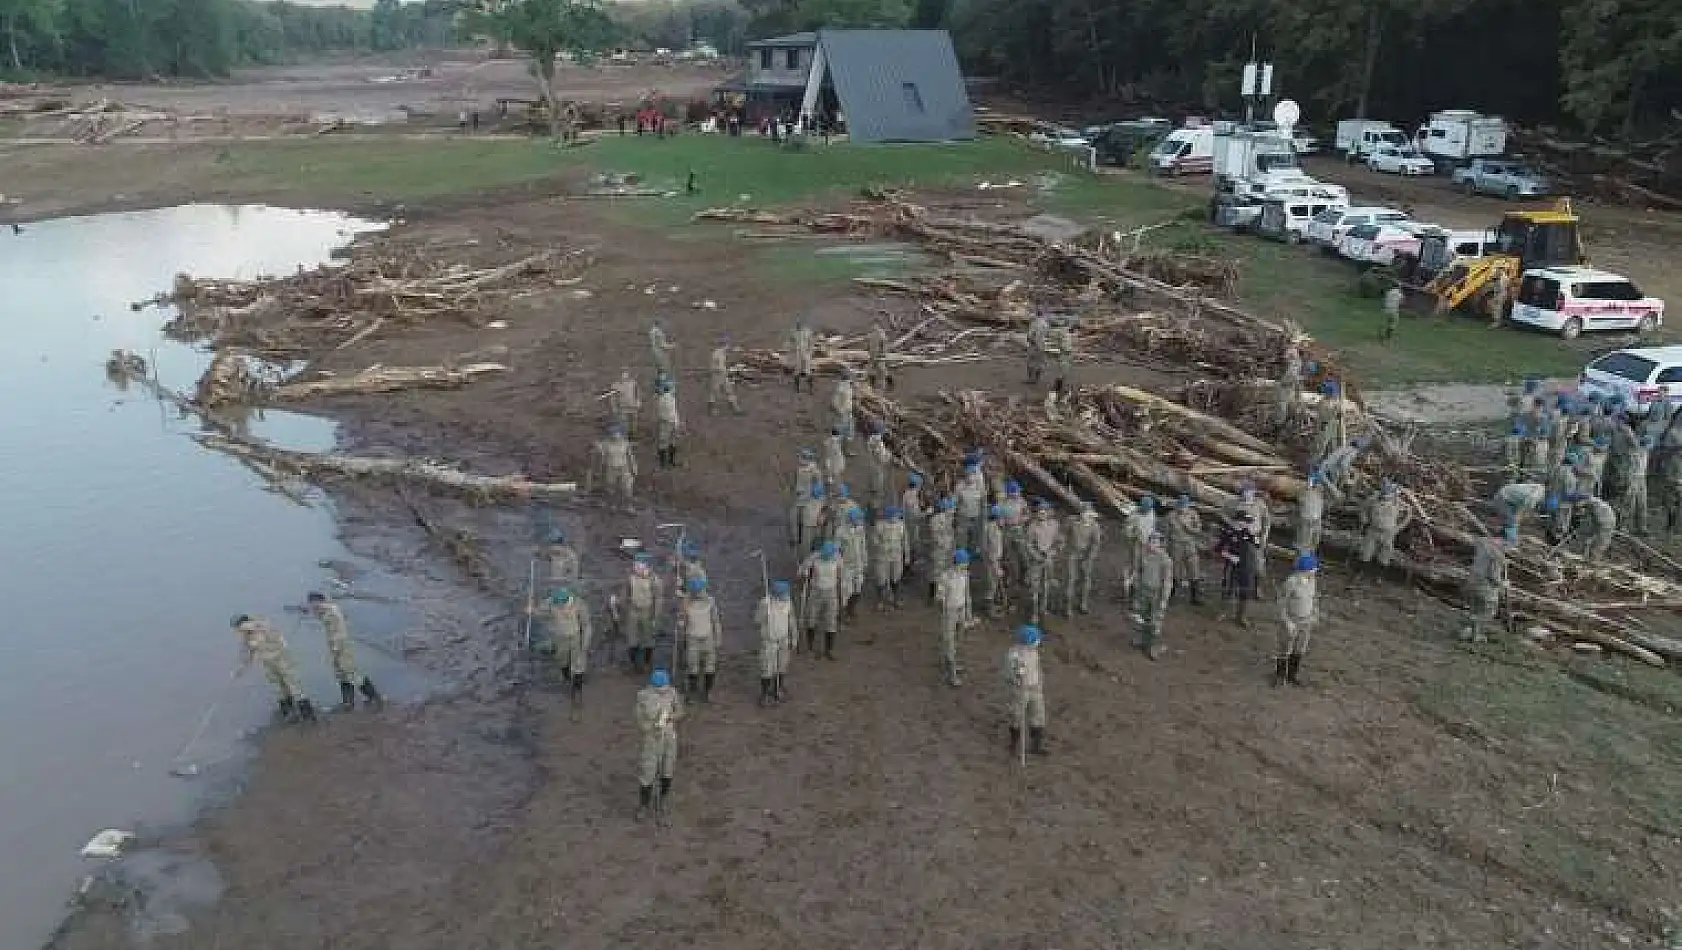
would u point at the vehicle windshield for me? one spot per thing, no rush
(1394, 138)
(1274, 161)
(1168, 146)
(1519, 171)
(1636, 369)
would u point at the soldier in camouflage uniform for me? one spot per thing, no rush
(659, 709)
(1083, 536)
(778, 631)
(343, 655)
(264, 644)
(1152, 589)
(1185, 547)
(1026, 682)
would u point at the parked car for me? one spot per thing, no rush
(1378, 244)
(1399, 161)
(1570, 300)
(1642, 377)
(1060, 138)
(1329, 226)
(1508, 179)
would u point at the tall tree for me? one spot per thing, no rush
(545, 29)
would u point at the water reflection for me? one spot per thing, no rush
(125, 546)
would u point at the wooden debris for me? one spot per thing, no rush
(433, 475)
(385, 379)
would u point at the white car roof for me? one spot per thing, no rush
(1574, 273)
(1370, 209)
(1658, 354)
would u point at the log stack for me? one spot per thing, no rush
(1111, 444)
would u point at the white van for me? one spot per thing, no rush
(1287, 218)
(1185, 152)
(1570, 300)
(1641, 377)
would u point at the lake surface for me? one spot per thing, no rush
(125, 547)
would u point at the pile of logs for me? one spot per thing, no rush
(1112, 444)
(337, 306)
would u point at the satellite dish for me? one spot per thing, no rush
(1286, 113)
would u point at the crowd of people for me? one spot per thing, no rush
(982, 548)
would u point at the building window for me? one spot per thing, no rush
(765, 58)
(913, 98)
(791, 58)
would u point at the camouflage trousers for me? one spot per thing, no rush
(659, 756)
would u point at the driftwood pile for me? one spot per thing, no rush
(337, 306)
(1112, 444)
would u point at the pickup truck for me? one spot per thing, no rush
(1496, 177)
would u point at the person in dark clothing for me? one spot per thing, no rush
(1240, 552)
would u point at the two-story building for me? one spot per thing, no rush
(775, 78)
(876, 85)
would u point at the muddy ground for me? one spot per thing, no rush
(382, 86)
(1185, 803)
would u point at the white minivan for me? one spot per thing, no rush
(1640, 377)
(1329, 226)
(1569, 300)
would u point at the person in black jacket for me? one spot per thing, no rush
(1240, 552)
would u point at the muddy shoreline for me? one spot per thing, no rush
(1186, 802)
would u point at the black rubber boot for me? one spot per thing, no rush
(1197, 593)
(288, 710)
(647, 659)
(812, 640)
(707, 687)
(371, 694)
(691, 685)
(1036, 740)
(645, 801)
(665, 796)
(829, 644)
(671, 455)
(894, 588)
(306, 710)
(347, 696)
(1281, 669)
(1293, 668)
(578, 690)
(1015, 739)
(764, 691)
(777, 691)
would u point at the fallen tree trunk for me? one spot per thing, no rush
(431, 474)
(381, 379)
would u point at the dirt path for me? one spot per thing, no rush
(1186, 802)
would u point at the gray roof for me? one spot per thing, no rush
(792, 39)
(898, 85)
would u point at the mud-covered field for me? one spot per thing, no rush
(1414, 794)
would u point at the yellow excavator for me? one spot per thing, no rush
(1524, 239)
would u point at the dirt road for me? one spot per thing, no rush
(1186, 802)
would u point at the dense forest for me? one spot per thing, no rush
(1604, 66)
(1601, 66)
(137, 39)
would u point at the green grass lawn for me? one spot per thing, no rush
(1278, 281)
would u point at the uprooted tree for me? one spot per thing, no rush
(545, 29)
